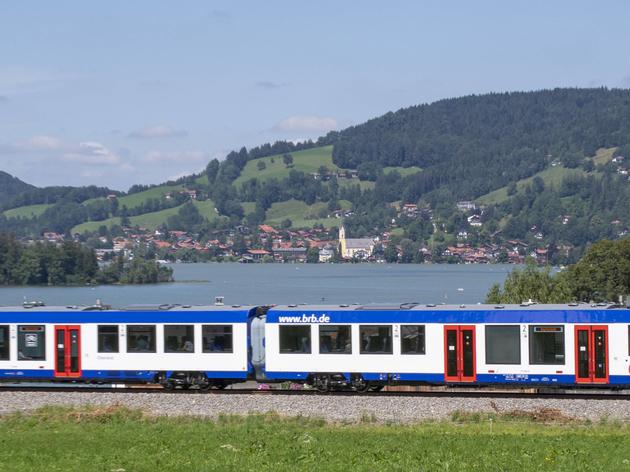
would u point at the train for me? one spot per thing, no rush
(355, 347)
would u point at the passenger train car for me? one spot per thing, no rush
(168, 344)
(372, 346)
(329, 347)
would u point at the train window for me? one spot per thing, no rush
(140, 338)
(335, 339)
(217, 338)
(412, 339)
(375, 339)
(546, 344)
(179, 338)
(503, 344)
(295, 339)
(4, 343)
(108, 338)
(31, 343)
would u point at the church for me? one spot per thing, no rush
(352, 248)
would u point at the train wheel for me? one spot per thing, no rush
(376, 388)
(322, 384)
(360, 385)
(168, 385)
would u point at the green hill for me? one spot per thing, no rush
(10, 187)
(307, 161)
(551, 176)
(136, 199)
(151, 220)
(303, 215)
(28, 211)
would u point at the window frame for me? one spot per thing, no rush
(98, 338)
(179, 351)
(43, 338)
(424, 340)
(531, 333)
(319, 338)
(7, 342)
(379, 353)
(295, 326)
(149, 351)
(518, 337)
(204, 350)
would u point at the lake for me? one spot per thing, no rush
(287, 283)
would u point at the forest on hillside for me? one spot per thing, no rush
(537, 151)
(475, 144)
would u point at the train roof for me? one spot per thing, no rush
(40, 307)
(528, 306)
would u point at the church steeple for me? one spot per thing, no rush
(342, 232)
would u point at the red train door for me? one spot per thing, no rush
(591, 354)
(459, 354)
(68, 351)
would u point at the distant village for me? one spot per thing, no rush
(267, 244)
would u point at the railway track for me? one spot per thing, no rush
(434, 393)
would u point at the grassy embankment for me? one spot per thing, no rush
(150, 220)
(302, 215)
(28, 211)
(551, 176)
(116, 439)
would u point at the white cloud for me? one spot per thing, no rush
(175, 157)
(306, 124)
(17, 79)
(39, 143)
(91, 153)
(158, 131)
(180, 175)
(270, 85)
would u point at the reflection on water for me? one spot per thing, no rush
(287, 283)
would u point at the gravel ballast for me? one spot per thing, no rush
(332, 408)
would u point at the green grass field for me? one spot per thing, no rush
(309, 160)
(551, 176)
(301, 214)
(403, 171)
(116, 439)
(29, 211)
(149, 220)
(603, 155)
(136, 199)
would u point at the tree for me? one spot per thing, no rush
(312, 255)
(532, 283)
(286, 223)
(391, 253)
(511, 189)
(261, 165)
(212, 169)
(287, 159)
(408, 249)
(603, 273)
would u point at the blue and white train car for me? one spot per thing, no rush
(168, 344)
(370, 346)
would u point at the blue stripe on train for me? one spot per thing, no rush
(149, 317)
(503, 379)
(458, 316)
(145, 375)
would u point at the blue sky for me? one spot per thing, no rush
(116, 93)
